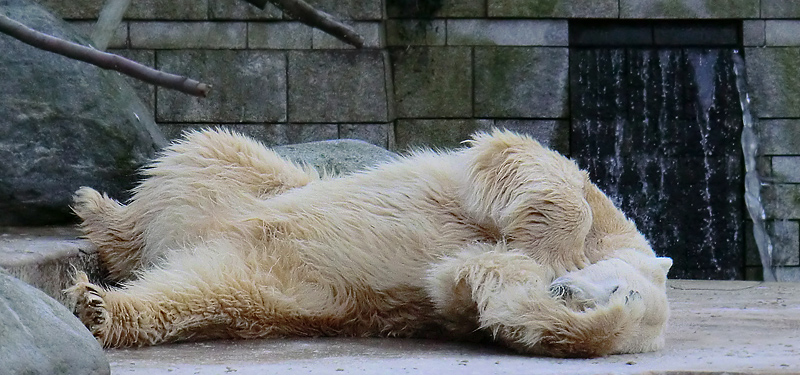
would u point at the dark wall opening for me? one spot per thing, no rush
(655, 118)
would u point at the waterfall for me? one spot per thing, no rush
(658, 130)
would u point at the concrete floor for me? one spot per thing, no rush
(716, 328)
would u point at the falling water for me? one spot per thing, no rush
(752, 182)
(658, 131)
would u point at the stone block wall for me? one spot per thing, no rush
(435, 71)
(772, 50)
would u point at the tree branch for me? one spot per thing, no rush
(312, 17)
(107, 22)
(101, 59)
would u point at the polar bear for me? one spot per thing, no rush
(502, 240)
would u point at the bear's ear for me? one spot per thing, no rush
(665, 263)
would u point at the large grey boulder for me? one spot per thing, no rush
(63, 124)
(340, 156)
(40, 336)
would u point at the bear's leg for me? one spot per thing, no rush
(510, 294)
(105, 223)
(533, 196)
(199, 294)
(195, 182)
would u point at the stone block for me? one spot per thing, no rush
(268, 134)
(74, 10)
(782, 33)
(785, 238)
(780, 137)
(553, 8)
(188, 35)
(754, 33)
(248, 86)
(445, 134)
(119, 40)
(462, 9)
(786, 169)
(415, 32)
(381, 135)
(764, 165)
(168, 10)
(553, 134)
(436, 9)
(781, 201)
(140, 9)
(788, 274)
(279, 35)
(346, 10)
(507, 32)
(780, 9)
(433, 81)
(372, 32)
(240, 10)
(774, 82)
(338, 86)
(146, 91)
(521, 82)
(689, 9)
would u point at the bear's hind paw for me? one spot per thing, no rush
(89, 304)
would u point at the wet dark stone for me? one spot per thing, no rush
(597, 34)
(659, 132)
(651, 33)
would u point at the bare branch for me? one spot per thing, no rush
(101, 59)
(312, 17)
(107, 22)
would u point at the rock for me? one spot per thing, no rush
(65, 124)
(46, 257)
(40, 336)
(339, 156)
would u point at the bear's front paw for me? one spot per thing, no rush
(580, 295)
(89, 305)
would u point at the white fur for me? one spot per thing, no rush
(504, 239)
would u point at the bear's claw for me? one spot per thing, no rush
(89, 304)
(575, 298)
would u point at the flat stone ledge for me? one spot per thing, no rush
(717, 327)
(46, 256)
